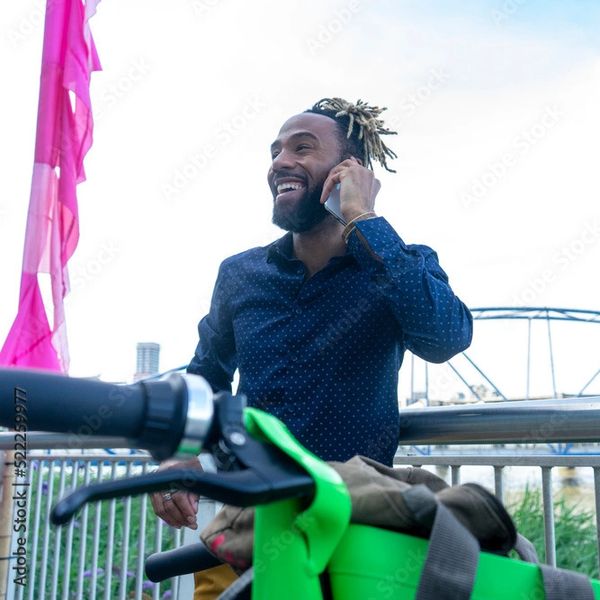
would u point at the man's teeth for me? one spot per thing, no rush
(286, 187)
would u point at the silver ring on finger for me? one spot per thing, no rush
(167, 497)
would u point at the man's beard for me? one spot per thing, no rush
(308, 212)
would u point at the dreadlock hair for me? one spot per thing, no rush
(360, 129)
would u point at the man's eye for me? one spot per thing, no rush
(274, 154)
(303, 147)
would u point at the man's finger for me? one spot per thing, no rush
(331, 181)
(159, 508)
(176, 515)
(182, 507)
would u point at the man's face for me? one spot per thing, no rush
(304, 152)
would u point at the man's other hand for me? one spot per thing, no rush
(177, 508)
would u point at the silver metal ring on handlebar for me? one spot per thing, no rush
(200, 413)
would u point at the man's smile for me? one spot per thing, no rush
(288, 188)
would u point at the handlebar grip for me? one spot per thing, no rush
(184, 560)
(54, 402)
(152, 415)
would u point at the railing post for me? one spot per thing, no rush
(597, 504)
(498, 483)
(455, 477)
(549, 533)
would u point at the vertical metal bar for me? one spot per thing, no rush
(83, 539)
(125, 544)
(110, 542)
(139, 572)
(412, 378)
(69, 543)
(549, 534)
(551, 355)
(46, 543)
(528, 357)
(455, 474)
(58, 536)
(96, 538)
(597, 504)
(498, 483)
(157, 548)
(36, 528)
(178, 536)
(426, 383)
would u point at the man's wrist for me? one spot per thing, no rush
(351, 224)
(358, 214)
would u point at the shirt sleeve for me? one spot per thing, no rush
(435, 324)
(215, 356)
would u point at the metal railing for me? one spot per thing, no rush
(100, 554)
(69, 560)
(499, 463)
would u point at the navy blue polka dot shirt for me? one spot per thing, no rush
(323, 353)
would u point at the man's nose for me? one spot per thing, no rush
(283, 160)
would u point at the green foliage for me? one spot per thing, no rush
(576, 545)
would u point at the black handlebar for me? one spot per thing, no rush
(181, 561)
(151, 415)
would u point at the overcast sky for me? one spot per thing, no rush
(496, 106)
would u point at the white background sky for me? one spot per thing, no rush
(497, 107)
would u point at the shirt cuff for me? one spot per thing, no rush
(374, 242)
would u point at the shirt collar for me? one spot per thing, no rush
(282, 249)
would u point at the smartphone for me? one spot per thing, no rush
(332, 204)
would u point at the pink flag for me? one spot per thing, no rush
(64, 135)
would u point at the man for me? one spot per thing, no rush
(318, 321)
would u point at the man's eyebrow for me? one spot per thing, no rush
(294, 136)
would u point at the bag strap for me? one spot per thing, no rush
(560, 584)
(453, 555)
(526, 550)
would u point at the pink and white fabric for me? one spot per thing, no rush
(64, 135)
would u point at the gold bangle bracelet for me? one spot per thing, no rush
(350, 225)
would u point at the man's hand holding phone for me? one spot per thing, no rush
(358, 188)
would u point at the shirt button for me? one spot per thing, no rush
(297, 310)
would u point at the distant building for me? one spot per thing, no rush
(148, 354)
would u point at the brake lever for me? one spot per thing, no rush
(258, 472)
(240, 488)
